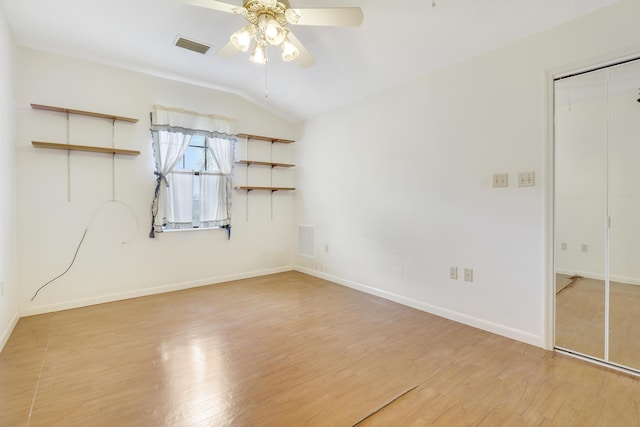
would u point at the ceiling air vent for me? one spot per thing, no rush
(192, 45)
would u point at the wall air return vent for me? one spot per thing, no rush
(306, 240)
(192, 45)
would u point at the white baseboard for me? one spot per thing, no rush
(508, 332)
(31, 310)
(8, 330)
(485, 325)
(600, 276)
(585, 274)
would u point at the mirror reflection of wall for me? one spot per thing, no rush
(580, 188)
(597, 214)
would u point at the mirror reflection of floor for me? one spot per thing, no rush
(580, 304)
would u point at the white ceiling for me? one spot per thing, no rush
(398, 41)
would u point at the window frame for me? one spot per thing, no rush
(207, 160)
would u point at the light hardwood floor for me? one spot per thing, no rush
(580, 313)
(291, 350)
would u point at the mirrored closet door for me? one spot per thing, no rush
(597, 214)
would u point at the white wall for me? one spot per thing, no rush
(8, 299)
(50, 227)
(409, 193)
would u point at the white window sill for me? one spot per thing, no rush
(180, 230)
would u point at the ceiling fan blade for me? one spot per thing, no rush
(329, 17)
(215, 5)
(228, 51)
(305, 59)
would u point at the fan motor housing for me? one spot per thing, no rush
(255, 8)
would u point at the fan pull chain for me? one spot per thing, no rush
(68, 161)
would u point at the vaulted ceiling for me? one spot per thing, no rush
(398, 41)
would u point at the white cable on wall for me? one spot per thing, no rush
(133, 214)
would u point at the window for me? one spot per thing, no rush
(196, 159)
(193, 171)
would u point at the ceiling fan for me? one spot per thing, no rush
(268, 20)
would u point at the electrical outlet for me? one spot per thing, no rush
(326, 248)
(500, 179)
(563, 246)
(453, 273)
(585, 248)
(468, 275)
(526, 179)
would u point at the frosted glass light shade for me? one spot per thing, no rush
(289, 51)
(293, 15)
(274, 34)
(273, 31)
(241, 39)
(259, 55)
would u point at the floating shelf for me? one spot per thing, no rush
(272, 189)
(83, 113)
(273, 165)
(72, 147)
(266, 138)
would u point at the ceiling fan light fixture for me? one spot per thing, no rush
(259, 55)
(240, 11)
(293, 15)
(268, 26)
(274, 34)
(273, 31)
(289, 50)
(241, 39)
(269, 3)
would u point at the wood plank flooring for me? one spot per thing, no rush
(291, 350)
(580, 313)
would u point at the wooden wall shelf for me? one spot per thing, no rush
(266, 138)
(248, 163)
(83, 113)
(89, 148)
(72, 147)
(273, 165)
(272, 189)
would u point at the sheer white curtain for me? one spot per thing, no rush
(171, 131)
(215, 184)
(213, 213)
(168, 148)
(179, 208)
